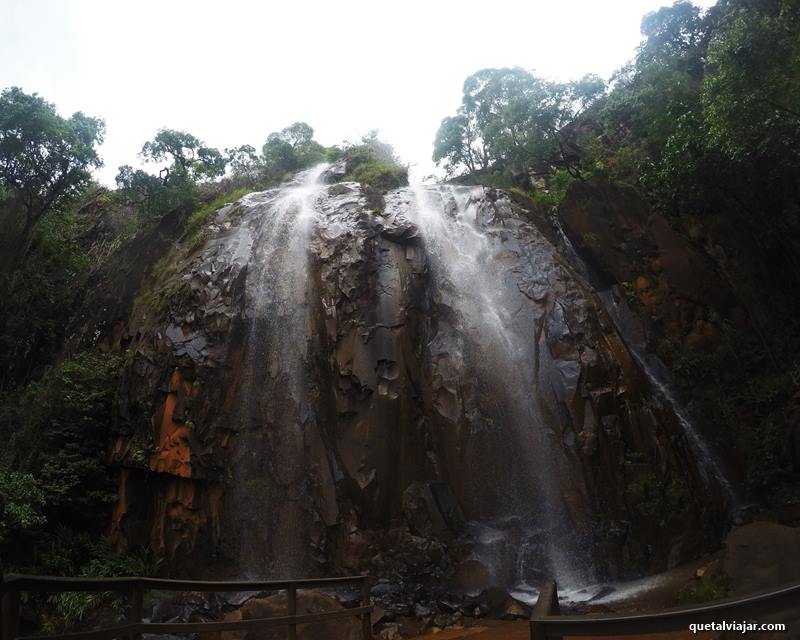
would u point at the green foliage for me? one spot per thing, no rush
(751, 98)
(332, 154)
(702, 590)
(290, 150)
(58, 432)
(196, 226)
(656, 499)
(374, 164)
(559, 184)
(203, 215)
(24, 503)
(741, 396)
(44, 158)
(151, 197)
(188, 155)
(458, 145)
(709, 111)
(512, 118)
(244, 162)
(106, 562)
(53, 471)
(175, 188)
(43, 294)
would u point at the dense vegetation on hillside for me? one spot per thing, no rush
(708, 109)
(705, 124)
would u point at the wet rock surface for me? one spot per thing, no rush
(398, 445)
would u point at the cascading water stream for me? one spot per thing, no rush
(497, 328)
(708, 463)
(274, 410)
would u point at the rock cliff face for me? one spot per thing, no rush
(677, 284)
(426, 390)
(704, 294)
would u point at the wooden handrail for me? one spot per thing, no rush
(23, 582)
(12, 584)
(546, 624)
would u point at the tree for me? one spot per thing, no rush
(290, 149)
(297, 134)
(655, 107)
(751, 94)
(142, 189)
(458, 144)
(675, 34)
(511, 118)
(243, 161)
(190, 157)
(44, 159)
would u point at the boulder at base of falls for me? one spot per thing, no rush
(761, 555)
(502, 605)
(308, 602)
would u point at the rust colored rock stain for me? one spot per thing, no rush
(174, 454)
(179, 517)
(121, 508)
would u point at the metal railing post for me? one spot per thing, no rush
(137, 606)
(292, 602)
(366, 618)
(546, 605)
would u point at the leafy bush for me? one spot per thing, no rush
(106, 562)
(58, 432)
(739, 395)
(24, 503)
(374, 164)
(151, 197)
(290, 149)
(705, 589)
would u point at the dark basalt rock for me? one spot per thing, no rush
(397, 434)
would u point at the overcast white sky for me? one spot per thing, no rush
(231, 72)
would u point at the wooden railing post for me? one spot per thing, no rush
(9, 615)
(366, 618)
(136, 607)
(546, 605)
(292, 601)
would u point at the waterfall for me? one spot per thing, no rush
(708, 463)
(442, 341)
(274, 412)
(496, 326)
